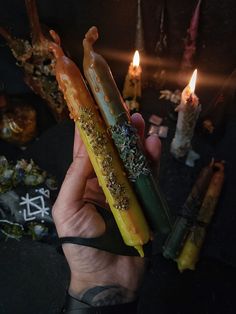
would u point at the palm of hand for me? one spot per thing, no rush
(80, 218)
(75, 215)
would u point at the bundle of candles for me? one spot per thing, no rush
(187, 237)
(113, 145)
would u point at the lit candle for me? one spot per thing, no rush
(188, 113)
(132, 85)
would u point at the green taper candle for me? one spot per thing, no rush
(125, 137)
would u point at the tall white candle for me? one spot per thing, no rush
(188, 113)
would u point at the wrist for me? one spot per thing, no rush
(102, 295)
(74, 306)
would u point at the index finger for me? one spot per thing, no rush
(138, 122)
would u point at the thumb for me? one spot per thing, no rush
(153, 148)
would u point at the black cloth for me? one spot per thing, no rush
(208, 289)
(53, 152)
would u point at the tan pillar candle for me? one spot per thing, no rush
(132, 87)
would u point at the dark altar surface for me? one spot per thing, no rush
(38, 275)
(33, 276)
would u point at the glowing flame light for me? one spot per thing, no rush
(192, 82)
(136, 59)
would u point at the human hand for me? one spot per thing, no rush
(75, 214)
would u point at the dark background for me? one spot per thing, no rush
(33, 276)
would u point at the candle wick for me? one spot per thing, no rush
(190, 98)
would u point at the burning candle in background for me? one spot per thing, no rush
(132, 86)
(188, 113)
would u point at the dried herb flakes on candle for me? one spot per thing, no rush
(126, 141)
(98, 141)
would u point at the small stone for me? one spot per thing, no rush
(191, 158)
(153, 129)
(156, 120)
(163, 131)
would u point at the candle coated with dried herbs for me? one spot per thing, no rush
(37, 63)
(124, 135)
(104, 158)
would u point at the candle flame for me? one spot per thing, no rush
(136, 59)
(192, 82)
